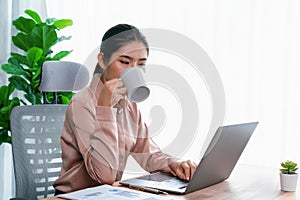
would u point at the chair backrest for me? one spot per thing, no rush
(36, 132)
(63, 76)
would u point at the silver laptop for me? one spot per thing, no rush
(215, 166)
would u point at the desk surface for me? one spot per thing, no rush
(246, 183)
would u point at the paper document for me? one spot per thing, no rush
(109, 192)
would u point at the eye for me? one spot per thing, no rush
(124, 62)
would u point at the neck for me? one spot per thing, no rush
(102, 78)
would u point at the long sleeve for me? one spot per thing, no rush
(95, 130)
(96, 142)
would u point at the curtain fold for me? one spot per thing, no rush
(5, 42)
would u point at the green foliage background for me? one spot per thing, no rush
(35, 38)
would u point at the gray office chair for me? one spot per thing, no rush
(36, 131)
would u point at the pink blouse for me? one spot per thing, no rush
(96, 142)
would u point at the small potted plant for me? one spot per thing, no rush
(288, 176)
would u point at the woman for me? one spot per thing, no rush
(102, 128)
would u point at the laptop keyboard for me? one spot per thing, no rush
(176, 182)
(164, 179)
(157, 177)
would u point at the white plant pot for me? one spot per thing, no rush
(7, 179)
(288, 182)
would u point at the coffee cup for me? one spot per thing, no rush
(134, 81)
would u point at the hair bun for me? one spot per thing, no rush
(117, 29)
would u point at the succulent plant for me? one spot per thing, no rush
(288, 167)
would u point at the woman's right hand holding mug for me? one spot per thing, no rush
(112, 92)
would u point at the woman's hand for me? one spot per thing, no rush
(185, 169)
(112, 92)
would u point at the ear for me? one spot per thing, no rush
(101, 60)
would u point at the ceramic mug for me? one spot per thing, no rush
(134, 81)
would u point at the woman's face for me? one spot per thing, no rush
(133, 54)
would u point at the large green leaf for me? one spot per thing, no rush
(4, 110)
(3, 101)
(36, 76)
(62, 23)
(37, 37)
(34, 16)
(10, 89)
(14, 69)
(33, 55)
(44, 37)
(68, 94)
(14, 102)
(23, 24)
(5, 92)
(61, 55)
(17, 58)
(38, 97)
(20, 83)
(65, 100)
(3, 88)
(49, 37)
(27, 69)
(65, 97)
(36, 79)
(22, 41)
(35, 83)
(4, 121)
(30, 97)
(4, 137)
(34, 98)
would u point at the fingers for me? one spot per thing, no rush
(117, 87)
(118, 94)
(186, 170)
(114, 84)
(112, 92)
(193, 167)
(180, 172)
(118, 91)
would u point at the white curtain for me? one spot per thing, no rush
(254, 45)
(5, 23)
(10, 10)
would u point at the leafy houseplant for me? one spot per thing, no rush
(6, 106)
(288, 176)
(35, 38)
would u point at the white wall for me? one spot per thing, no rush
(254, 45)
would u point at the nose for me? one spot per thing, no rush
(134, 64)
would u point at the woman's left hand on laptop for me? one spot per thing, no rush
(184, 169)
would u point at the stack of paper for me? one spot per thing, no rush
(109, 192)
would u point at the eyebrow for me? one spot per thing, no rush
(130, 58)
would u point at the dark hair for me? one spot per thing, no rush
(116, 37)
